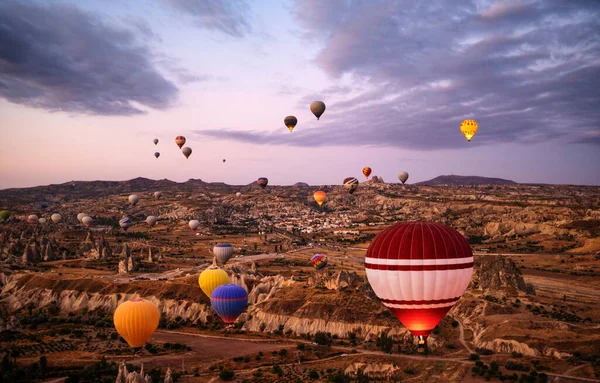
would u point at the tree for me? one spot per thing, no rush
(43, 364)
(323, 339)
(226, 374)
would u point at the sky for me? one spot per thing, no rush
(85, 86)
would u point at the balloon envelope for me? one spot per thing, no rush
(419, 270)
(4, 214)
(403, 176)
(80, 216)
(151, 220)
(42, 220)
(318, 261)
(212, 278)
(320, 197)
(124, 223)
(238, 194)
(155, 141)
(262, 182)
(290, 122)
(133, 199)
(317, 108)
(468, 128)
(180, 141)
(157, 194)
(32, 218)
(351, 184)
(223, 251)
(136, 320)
(229, 301)
(367, 171)
(193, 224)
(87, 220)
(187, 152)
(56, 217)
(156, 154)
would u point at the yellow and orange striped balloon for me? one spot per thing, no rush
(320, 197)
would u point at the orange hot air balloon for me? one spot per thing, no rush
(180, 141)
(320, 197)
(136, 320)
(367, 171)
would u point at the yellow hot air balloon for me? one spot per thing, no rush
(468, 128)
(211, 278)
(136, 320)
(320, 197)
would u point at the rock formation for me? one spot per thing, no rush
(125, 376)
(498, 273)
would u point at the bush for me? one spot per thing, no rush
(277, 370)
(474, 357)
(283, 352)
(301, 346)
(313, 374)
(454, 324)
(226, 375)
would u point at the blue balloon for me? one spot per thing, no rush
(229, 301)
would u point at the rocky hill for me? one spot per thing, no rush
(465, 180)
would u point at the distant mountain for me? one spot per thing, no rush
(465, 180)
(301, 184)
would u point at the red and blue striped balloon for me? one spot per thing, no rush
(319, 261)
(229, 301)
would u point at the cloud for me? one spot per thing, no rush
(228, 16)
(406, 74)
(60, 58)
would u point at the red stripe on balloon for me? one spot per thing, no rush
(373, 266)
(425, 302)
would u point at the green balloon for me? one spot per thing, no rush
(4, 214)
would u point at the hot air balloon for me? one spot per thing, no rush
(320, 197)
(403, 176)
(262, 182)
(124, 223)
(211, 278)
(229, 301)
(151, 220)
(56, 217)
(318, 261)
(157, 194)
(187, 152)
(317, 108)
(468, 128)
(290, 122)
(223, 159)
(133, 199)
(32, 218)
(367, 171)
(223, 251)
(351, 184)
(80, 216)
(87, 220)
(42, 220)
(180, 141)
(238, 194)
(156, 154)
(155, 141)
(136, 320)
(419, 270)
(193, 224)
(4, 214)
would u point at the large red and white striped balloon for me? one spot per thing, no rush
(419, 270)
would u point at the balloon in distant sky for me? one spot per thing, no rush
(157, 194)
(124, 223)
(320, 197)
(32, 218)
(42, 220)
(290, 122)
(229, 301)
(136, 320)
(223, 159)
(133, 199)
(155, 141)
(87, 220)
(151, 220)
(180, 141)
(403, 176)
(351, 184)
(80, 216)
(156, 154)
(193, 224)
(468, 128)
(318, 261)
(4, 214)
(419, 270)
(367, 171)
(56, 217)
(262, 182)
(317, 108)
(187, 151)
(223, 251)
(211, 278)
